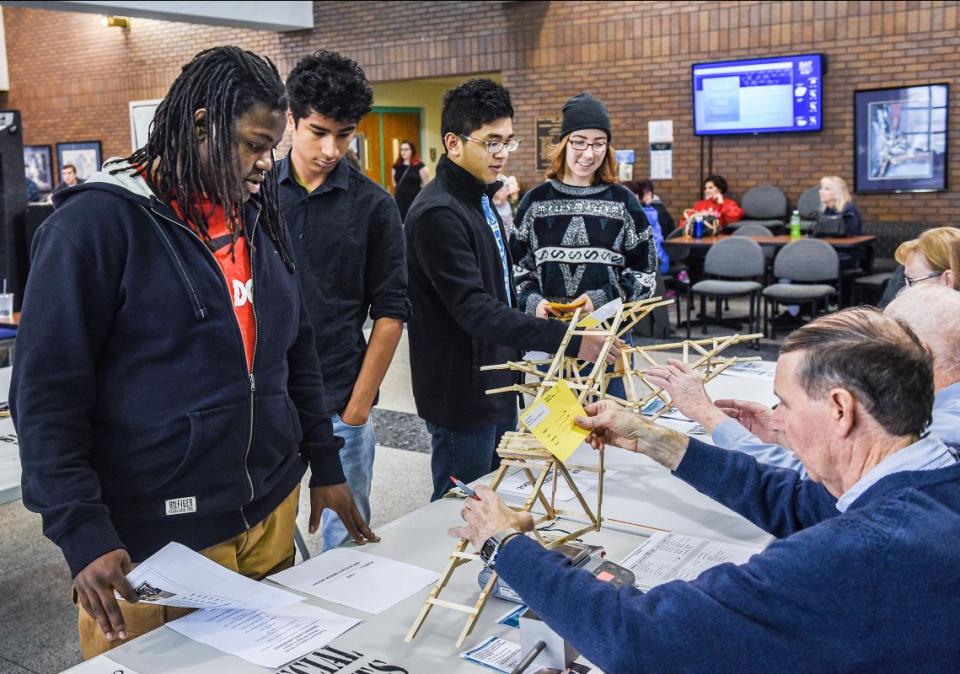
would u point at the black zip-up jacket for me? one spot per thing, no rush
(138, 420)
(461, 319)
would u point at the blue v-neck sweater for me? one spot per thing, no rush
(876, 589)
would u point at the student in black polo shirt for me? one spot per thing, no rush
(462, 290)
(348, 242)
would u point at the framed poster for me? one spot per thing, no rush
(84, 155)
(141, 116)
(38, 166)
(547, 133)
(901, 139)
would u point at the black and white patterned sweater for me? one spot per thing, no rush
(571, 240)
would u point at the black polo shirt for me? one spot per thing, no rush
(347, 240)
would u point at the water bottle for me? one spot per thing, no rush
(795, 232)
(698, 227)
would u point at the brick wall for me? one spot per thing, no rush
(72, 78)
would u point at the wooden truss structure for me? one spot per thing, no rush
(522, 450)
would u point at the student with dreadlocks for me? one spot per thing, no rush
(154, 401)
(348, 242)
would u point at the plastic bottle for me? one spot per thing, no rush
(795, 232)
(698, 227)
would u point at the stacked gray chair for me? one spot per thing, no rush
(809, 206)
(813, 269)
(734, 258)
(763, 205)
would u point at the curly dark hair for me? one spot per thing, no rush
(330, 84)
(472, 104)
(719, 181)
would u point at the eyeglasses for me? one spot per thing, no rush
(495, 146)
(918, 279)
(581, 145)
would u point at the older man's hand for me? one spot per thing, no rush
(486, 515)
(685, 386)
(609, 423)
(755, 417)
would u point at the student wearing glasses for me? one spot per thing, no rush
(581, 236)
(462, 291)
(933, 258)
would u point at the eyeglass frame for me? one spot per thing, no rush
(489, 143)
(592, 146)
(914, 281)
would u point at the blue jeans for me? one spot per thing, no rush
(466, 453)
(356, 455)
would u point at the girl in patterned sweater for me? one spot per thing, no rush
(580, 235)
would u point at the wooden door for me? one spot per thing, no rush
(380, 134)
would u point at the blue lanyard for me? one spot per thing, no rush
(495, 227)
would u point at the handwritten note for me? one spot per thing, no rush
(551, 421)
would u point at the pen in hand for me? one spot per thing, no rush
(464, 488)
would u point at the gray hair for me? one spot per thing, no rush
(875, 357)
(933, 313)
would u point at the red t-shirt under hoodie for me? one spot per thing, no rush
(236, 271)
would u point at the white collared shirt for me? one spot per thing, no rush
(927, 453)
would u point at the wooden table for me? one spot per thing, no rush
(866, 241)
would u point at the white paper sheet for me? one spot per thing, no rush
(665, 556)
(267, 638)
(101, 665)
(517, 484)
(356, 579)
(761, 369)
(177, 576)
(495, 653)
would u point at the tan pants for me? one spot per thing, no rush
(263, 550)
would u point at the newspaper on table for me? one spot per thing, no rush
(667, 556)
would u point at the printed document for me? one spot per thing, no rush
(357, 579)
(100, 665)
(495, 653)
(517, 484)
(666, 556)
(269, 638)
(177, 576)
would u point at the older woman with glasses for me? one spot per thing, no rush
(932, 258)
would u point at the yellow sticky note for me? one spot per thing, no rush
(551, 421)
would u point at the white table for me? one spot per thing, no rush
(642, 495)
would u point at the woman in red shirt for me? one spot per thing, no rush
(718, 209)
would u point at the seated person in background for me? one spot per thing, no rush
(865, 563)
(931, 258)
(932, 312)
(718, 209)
(661, 224)
(836, 202)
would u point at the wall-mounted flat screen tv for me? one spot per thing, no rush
(766, 95)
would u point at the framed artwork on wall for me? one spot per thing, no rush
(84, 155)
(900, 139)
(38, 166)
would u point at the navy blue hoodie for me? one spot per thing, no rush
(139, 422)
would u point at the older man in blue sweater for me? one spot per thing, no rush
(931, 311)
(865, 575)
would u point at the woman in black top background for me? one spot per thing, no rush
(409, 176)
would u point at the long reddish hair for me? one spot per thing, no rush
(414, 158)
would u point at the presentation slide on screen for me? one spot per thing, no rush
(754, 97)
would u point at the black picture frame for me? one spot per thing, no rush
(84, 155)
(901, 139)
(38, 166)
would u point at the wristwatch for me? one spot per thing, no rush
(491, 547)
